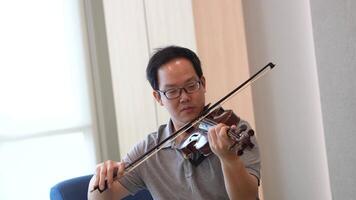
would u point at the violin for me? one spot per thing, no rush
(209, 117)
(196, 147)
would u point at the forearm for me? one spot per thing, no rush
(239, 184)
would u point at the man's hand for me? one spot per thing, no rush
(108, 170)
(220, 142)
(239, 183)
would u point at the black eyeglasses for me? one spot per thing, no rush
(176, 92)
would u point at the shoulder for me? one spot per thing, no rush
(145, 144)
(153, 139)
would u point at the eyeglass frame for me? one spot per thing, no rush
(198, 82)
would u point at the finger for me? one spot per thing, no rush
(212, 138)
(218, 127)
(220, 130)
(97, 176)
(223, 140)
(223, 132)
(211, 134)
(102, 176)
(110, 174)
(121, 169)
(223, 129)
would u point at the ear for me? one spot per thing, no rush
(203, 83)
(157, 96)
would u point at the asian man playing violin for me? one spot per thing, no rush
(179, 86)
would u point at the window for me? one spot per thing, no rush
(45, 108)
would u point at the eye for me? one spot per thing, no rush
(192, 86)
(171, 92)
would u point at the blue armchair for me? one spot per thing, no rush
(77, 188)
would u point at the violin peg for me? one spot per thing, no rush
(251, 132)
(243, 127)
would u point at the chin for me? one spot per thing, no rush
(189, 118)
(185, 117)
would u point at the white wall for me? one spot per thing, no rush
(334, 28)
(287, 101)
(134, 29)
(169, 23)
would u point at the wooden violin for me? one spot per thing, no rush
(195, 147)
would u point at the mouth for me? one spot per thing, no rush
(187, 109)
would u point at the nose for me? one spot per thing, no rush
(184, 95)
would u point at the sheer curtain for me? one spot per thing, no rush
(45, 106)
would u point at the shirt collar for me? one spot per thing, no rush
(167, 131)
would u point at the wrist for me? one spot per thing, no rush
(231, 160)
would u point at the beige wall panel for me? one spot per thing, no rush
(169, 23)
(221, 45)
(128, 50)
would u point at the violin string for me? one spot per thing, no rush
(209, 121)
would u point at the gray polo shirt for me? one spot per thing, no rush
(167, 175)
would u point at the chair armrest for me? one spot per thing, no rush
(77, 189)
(72, 189)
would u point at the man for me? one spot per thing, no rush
(178, 85)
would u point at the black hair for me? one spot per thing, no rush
(166, 54)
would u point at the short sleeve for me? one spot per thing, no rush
(251, 157)
(132, 181)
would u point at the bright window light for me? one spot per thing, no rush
(45, 112)
(30, 167)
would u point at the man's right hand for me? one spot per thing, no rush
(108, 171)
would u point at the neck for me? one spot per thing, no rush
(177, 126)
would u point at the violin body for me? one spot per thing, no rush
(196, 145)
(197, 141)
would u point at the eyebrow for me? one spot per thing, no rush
(174, 85)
